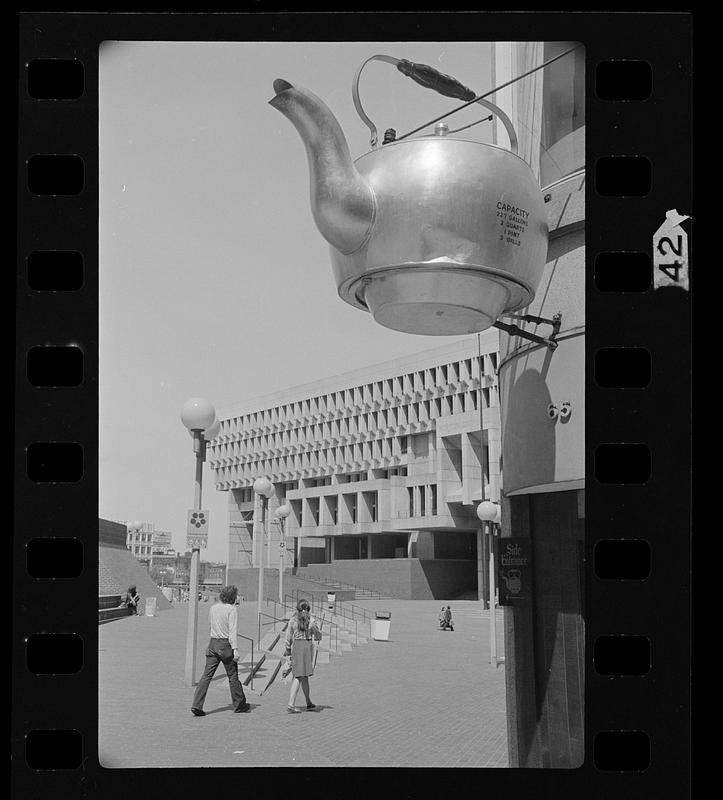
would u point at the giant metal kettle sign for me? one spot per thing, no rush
(432, 234)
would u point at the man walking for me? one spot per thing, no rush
(223, 619)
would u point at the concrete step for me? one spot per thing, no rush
(354, 640)
(348, 625)
(323, 657)
(329, 648)
(109, 614)
(110, 601)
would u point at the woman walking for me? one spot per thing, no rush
(300, 633)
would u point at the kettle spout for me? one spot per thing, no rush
(342, 202)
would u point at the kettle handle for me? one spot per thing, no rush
(374, 138)
(430, 78)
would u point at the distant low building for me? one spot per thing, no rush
(162, 543)
(174, 569)
(140, 542)
(163, 567)
(212, 573)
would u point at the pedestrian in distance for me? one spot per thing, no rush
(222, 648)
(442, 615)
(448, 619)
(301, 632)
(132, 600)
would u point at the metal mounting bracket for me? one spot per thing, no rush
(515, 330)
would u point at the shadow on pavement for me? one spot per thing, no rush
(229, 707)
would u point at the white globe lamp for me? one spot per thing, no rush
(198, 414)
(487, 511)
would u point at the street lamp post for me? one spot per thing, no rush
(489, 514)
(199, 416)
(282, 512)
(265, 491)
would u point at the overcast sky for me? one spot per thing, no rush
(214, 280)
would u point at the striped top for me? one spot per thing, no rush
(293, 632)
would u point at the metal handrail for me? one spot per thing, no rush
(329, 581)
(364, 611)
(317, 607)
(356, 611)
(268, 600)
(336, 631)
(253, 668)
(261, 624)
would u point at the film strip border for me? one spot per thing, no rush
(55, 562)
(638, 420)
(637, 390)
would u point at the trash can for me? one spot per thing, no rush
(381, 625)
(150, 606)
(330, 600)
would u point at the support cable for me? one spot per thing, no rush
(491, 91)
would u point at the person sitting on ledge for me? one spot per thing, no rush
(132, 600)
(447, 624)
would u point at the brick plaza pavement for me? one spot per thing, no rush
(425, 698)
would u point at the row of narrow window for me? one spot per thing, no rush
(323, 459)
(138, 538)
(246, 494)
(422, 503)
(422, 500)
(357, 397)
(320, 433)
(344, 508)
(378, 448)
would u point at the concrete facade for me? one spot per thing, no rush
(384, 462)
(543, 425)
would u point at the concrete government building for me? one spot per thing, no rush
(383, 468)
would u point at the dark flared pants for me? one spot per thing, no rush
(220, 651)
